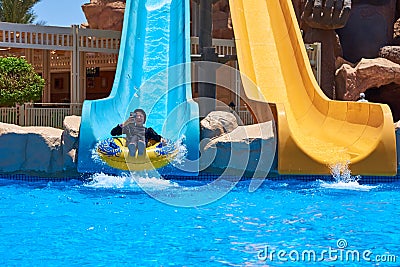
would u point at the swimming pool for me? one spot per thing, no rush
(110, 221)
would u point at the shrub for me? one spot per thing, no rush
(19, 83)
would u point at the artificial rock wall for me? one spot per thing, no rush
(39, 149)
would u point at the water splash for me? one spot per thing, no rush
(130, 182)
(96, 156)
(182, 150)
(341, 173)
(165, 191)
(137, 181)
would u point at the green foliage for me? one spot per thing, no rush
(17, 11)
(19, 83)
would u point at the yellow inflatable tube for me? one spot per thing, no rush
(114, 152)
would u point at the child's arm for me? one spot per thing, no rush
(117, 130)
(152, 135)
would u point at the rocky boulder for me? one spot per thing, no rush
(105, 14)
(39, 149)
(222, 25)
(390, 52)
(217, 123)
(246, 151)
(70, 141)
(368, 73)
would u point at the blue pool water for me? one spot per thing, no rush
(111, 221)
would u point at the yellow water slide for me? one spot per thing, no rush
(313, 131)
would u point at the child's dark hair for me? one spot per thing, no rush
(141, 111)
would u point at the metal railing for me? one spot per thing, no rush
(58, 38)
(222, 46)
(40, 114)
(49, 114)
(63, 63)
(245, 116)
(314, 55)
(9, 115)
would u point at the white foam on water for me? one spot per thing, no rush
(347, 186)
(132, 181)
(182, 150)
(344, 180)
(166, 191)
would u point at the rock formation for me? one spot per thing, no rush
(217, 123)
(391, 53)
(39, 149)
(319, 24)
(105, 14)
(246, 151)
(368, 73)
(70, 141)
(361, 30)
(379, 78)
(222, 25)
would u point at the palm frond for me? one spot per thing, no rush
(18, 11)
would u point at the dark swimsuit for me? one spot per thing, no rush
(150, 135)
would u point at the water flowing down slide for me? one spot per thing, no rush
(153, 73)
(313, 131)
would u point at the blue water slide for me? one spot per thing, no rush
(153, 73)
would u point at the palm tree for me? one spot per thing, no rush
(17, 11)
